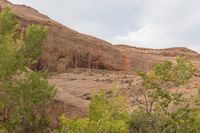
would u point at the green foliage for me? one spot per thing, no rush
(183, 71)
(8, 22)
(106, 115)
(16, 51)
(115, 106)
(31, 98)
(162, 110)
(3, 130)
(25, 97)
(8, 30)
(34, 39)
(162, 70)
(74, 125)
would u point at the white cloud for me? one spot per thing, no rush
(148, 35)
(172, 23)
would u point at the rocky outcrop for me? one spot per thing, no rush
(143, 58)
(66, 48)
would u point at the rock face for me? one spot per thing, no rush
(66, 48)
(144, 59)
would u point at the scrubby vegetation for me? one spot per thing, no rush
(105, 116)
(26, 96)
(162, 106)
(163, 109)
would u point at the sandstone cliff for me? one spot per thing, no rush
(66, 48)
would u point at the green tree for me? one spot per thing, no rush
(162, 110)
(8, 22)
(183, 71)
(8, 31)
(25, 96)
(31, 98)
(34, 38)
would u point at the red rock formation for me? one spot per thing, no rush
(66, 48)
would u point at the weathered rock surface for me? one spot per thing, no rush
(66, 48)
(144, 59)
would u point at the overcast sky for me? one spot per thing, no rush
(142, 23)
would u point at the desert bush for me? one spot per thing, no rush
(106, 115)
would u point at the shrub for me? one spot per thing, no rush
(106, 115)
(161, 110)
(32, 98)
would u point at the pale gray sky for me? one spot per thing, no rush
(142, 23)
